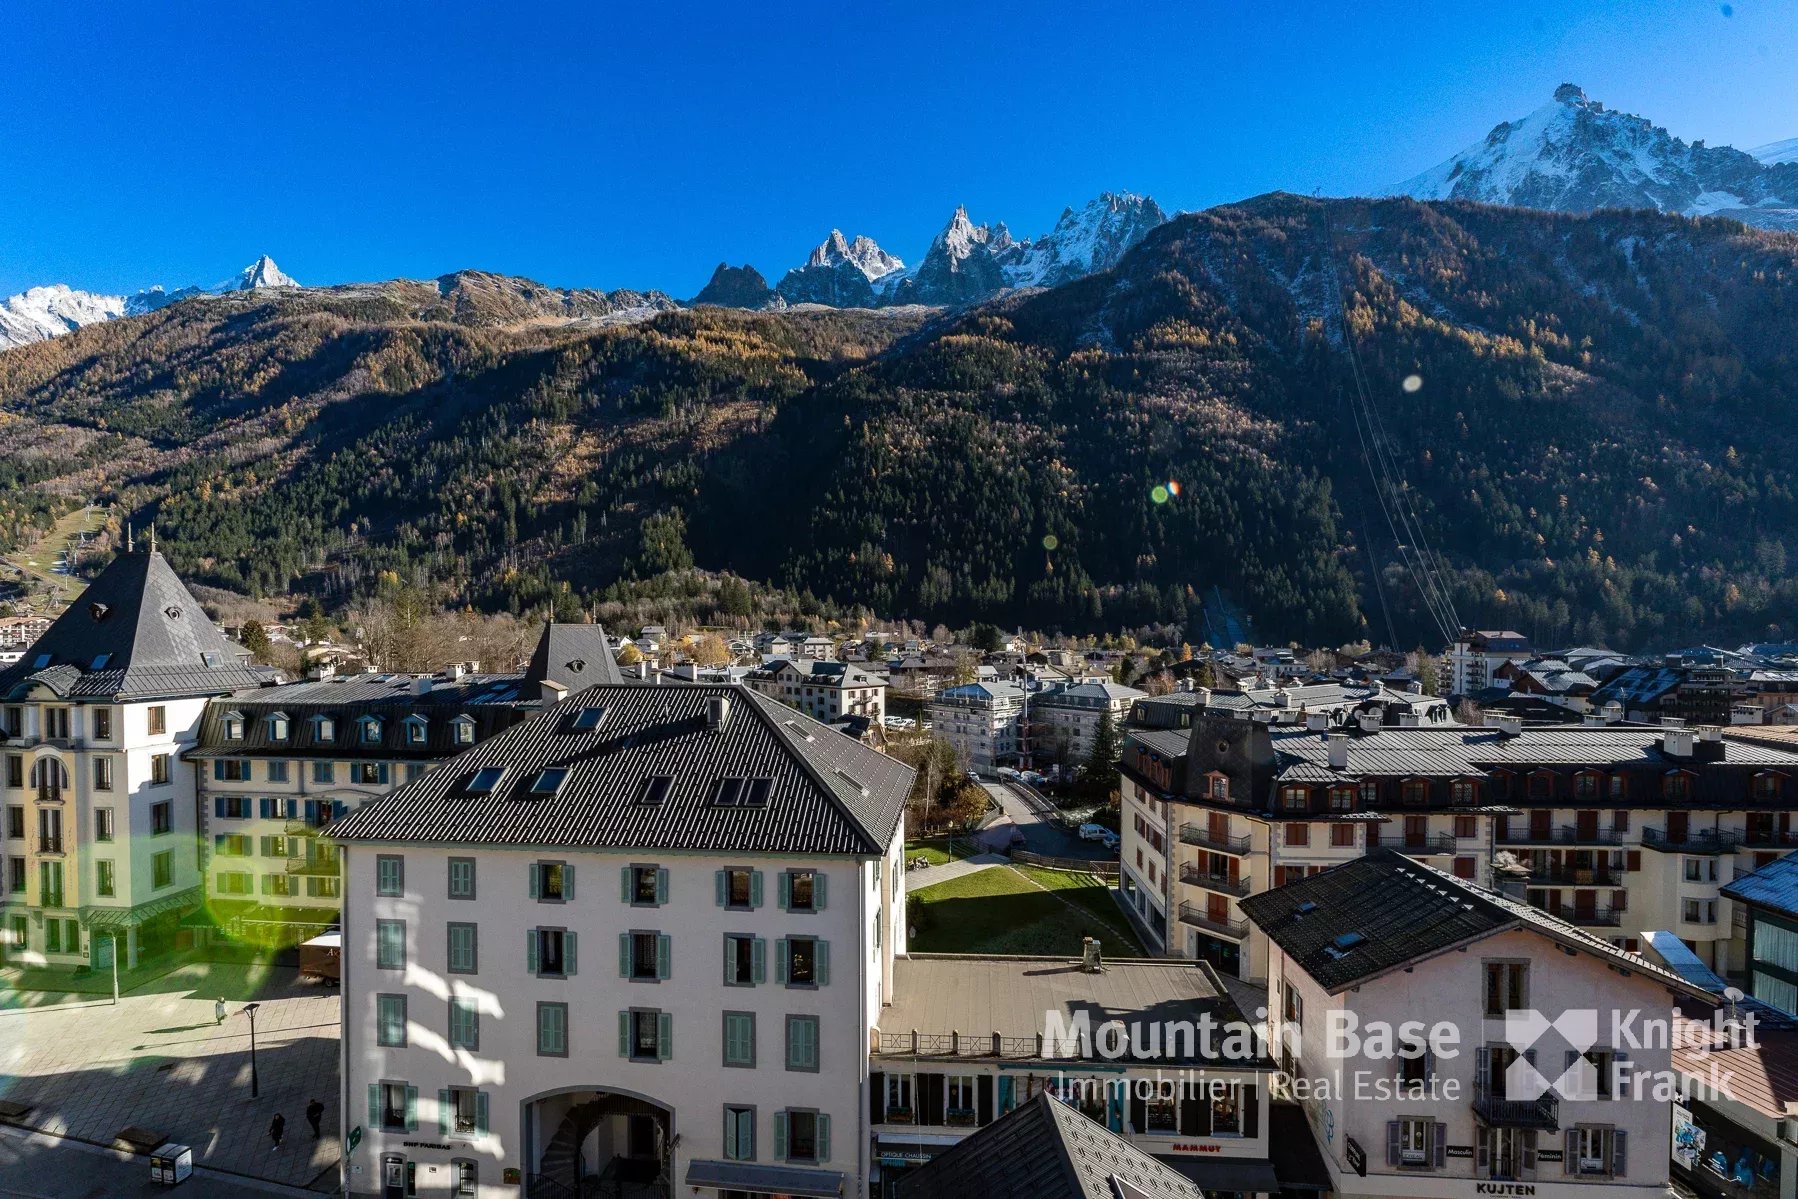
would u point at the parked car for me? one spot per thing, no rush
(1033, 778)
(1006, 772)
(1094, 832)
(1111, 841)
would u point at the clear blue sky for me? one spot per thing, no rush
(609, 145)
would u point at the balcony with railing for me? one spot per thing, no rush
(1703, 841)
(1561, 875)
(1201, 918)
(1197, 876)
(1770, 838)
(1415, 844)
(50, 845)
(1566, 834)
(325, 864)
(1495, 1110)
(1594, 917)
(1202, 836)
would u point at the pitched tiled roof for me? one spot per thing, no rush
(492, 702)
(1378, 913)
(829, 794)
(1045, 1149)
(135, 633)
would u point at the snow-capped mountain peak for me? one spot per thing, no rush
(258, 275)
(863, 253)
(1089, 239)
(43, 312)
(1777, 153)
(1575, 155)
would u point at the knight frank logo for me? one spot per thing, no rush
(1524, 1075)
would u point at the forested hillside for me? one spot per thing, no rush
(1601, 446)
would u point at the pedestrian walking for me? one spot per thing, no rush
(277, 1128)
(218, 1010)
(315, 1112)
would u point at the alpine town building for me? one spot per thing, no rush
(1445, 1039)
(100, 833)
(642, 936)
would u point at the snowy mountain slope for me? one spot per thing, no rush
(1090, 240)
(1776, 153)
(1574, 155)
(841, 273)
(42, 312)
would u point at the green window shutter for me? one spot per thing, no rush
(758, 962)
(624, 955)
(755, 888)
(730, 960)
(786, 890)
(536, 883)
(568, 881)
(821, 963)
(530, 953)
(411, 1109)
(823, 1137)
(664, 1035)
(624, 884)
(374, 1105)
(568, 940)
(721, 879)
(443, 1112)
(664, 955)
(780, 1136)
(480, 1111)
(661, 885)
(624, 1034)
(732, 1151)
(818, 900)
(780, 960)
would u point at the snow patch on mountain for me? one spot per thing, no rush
(1777, 153)
(44, 312)
(1574, 155)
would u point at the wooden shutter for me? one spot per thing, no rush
(818, 889)
(780, 1136)
(755, 888)
(567, 880)
(1392, 1142)
(411, 1109)
(624, 954)
(530, 953)
(664, 1036)
(823, 1136)
(932, 1097)
(1570, 1152)
(624, 1034)
(374, 1105)
(664, 955)
(661, 885)
(721, 881)
(780, 960)
(758, 960)
(443, 1112)
(877, 1097)
(568, 940)
(1439, 1144)
(983, 1090)
(536, 876)
(786, 890)
(1619, 1154)
(821, 962)
(480, 1111)
(624, 884)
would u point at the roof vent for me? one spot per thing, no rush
(798, 730)
(98, 610)
(1306, 908)
(851, 780)
(717, 712)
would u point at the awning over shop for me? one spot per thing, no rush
(765, 1180)
(1225, 1173)
(142, 913)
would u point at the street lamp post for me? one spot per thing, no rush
(249, 1009)
(115, 970)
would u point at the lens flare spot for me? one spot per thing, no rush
(1050, 541)
(1413, 382)
(1159, 494)
(1173, 488)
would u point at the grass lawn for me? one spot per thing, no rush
(935, 851)
(1006, 909)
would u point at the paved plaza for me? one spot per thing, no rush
(159, 1060)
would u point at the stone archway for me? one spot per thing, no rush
(598, 1143)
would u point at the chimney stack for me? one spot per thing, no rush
(1338, 743)
(552, 692)
(717, 712)
(1369, 721)
(1506, 724)
(422, 685)
(1677, 743)
(1317, 722)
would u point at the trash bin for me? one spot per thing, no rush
(171, 1164)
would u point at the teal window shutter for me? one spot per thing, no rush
(411, 1109)
(292, 806)
(758, 960)
(664, 955)
(624, 884)
(823, 1137)
(443, 1112)
(568, 880)
(755, 888)
(480, 1111)
(780, 1136)
(536, 884)
(530, 953)
(731, 1150)
(218, 776)
(568, 940)
(786, 890)
(382, 771)
(780, 960)
(818, 904)
(624, 955)
(374, 1105)
(722, 880)
(664, 1035)
(624, 1034)
(821, 963)
(661, 885)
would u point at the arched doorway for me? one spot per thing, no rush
(598, 1143)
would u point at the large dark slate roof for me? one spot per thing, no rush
(1396, 911)
(829, 794)
(153, 636)
(1774, 887)
(1045, 1149)
(574, 655)
(491, 701)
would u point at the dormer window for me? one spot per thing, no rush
(1766, 786)
(1676, 785)
(277, 726)
(324, 729)
(1295, 798)
(416, 730)
(371, 730)
(463, 730)
(234, 726)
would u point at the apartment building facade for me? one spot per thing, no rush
(1064, 720)
(1498, 1050)
(101, 827)
(824, 690)
(1619, 828)
(642, 935)
(1477, 654)
(982, 722)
